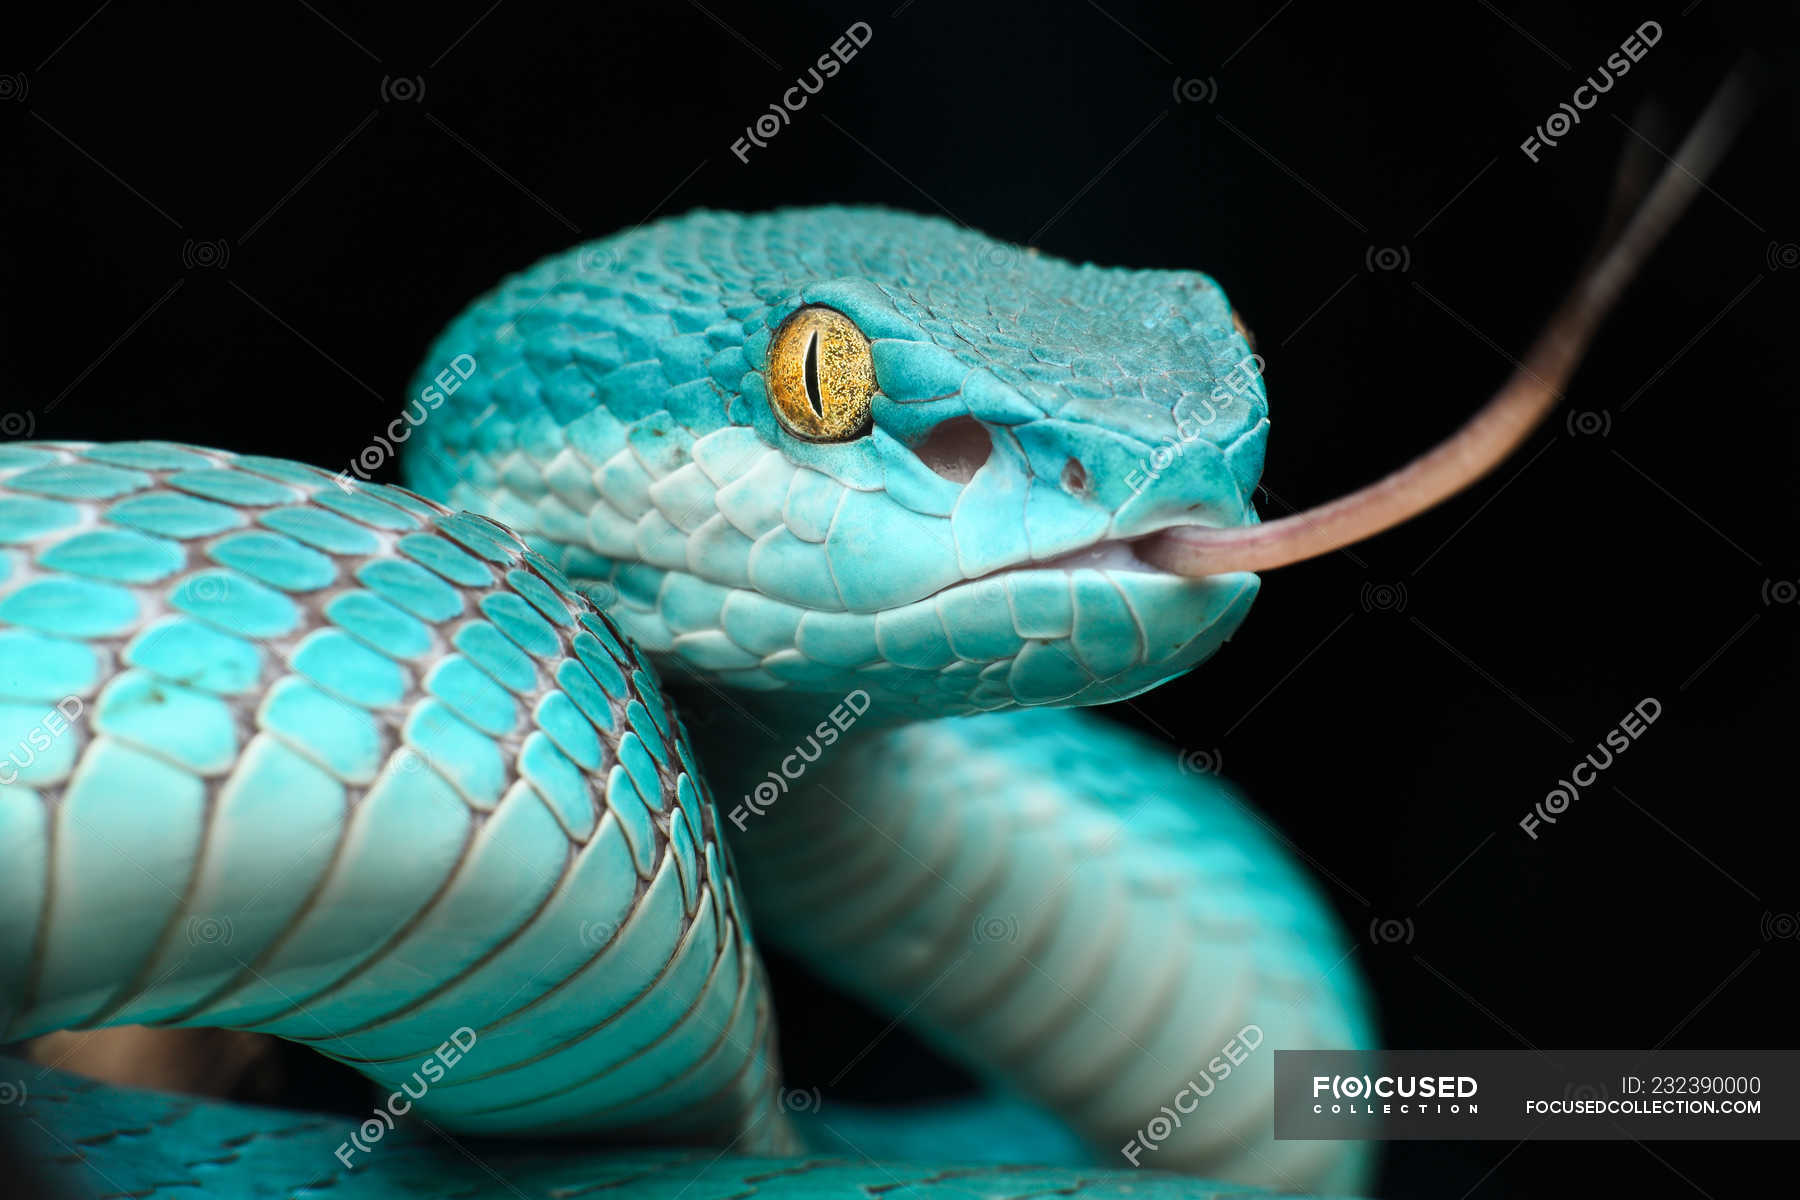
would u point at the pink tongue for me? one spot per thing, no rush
(1492, 433)
(1192, 551)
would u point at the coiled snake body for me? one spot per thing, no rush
(310, 756)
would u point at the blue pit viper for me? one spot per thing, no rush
(883, 500)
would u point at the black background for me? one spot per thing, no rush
(1395, 711)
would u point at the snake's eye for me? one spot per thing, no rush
(821, 376)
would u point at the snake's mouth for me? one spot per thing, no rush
(1135, 553)
(1112, 554)
(1109, 554)
(1168, 550)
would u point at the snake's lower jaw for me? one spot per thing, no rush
(1179, 622)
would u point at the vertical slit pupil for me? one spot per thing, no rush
(813, 395)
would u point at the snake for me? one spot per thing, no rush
(746, 584)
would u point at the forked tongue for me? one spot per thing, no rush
(1505, 421)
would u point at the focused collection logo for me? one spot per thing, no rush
(1384, 1095)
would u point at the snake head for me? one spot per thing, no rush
(824, 449)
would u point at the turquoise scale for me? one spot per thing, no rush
(329, 761)
(344, 767)
(185, 1147)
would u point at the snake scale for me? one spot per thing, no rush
(393, 773)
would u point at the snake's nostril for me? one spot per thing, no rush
(1074, 478)
(956, 448)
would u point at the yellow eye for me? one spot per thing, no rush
(821, 376)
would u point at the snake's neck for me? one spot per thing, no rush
(760, 747)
